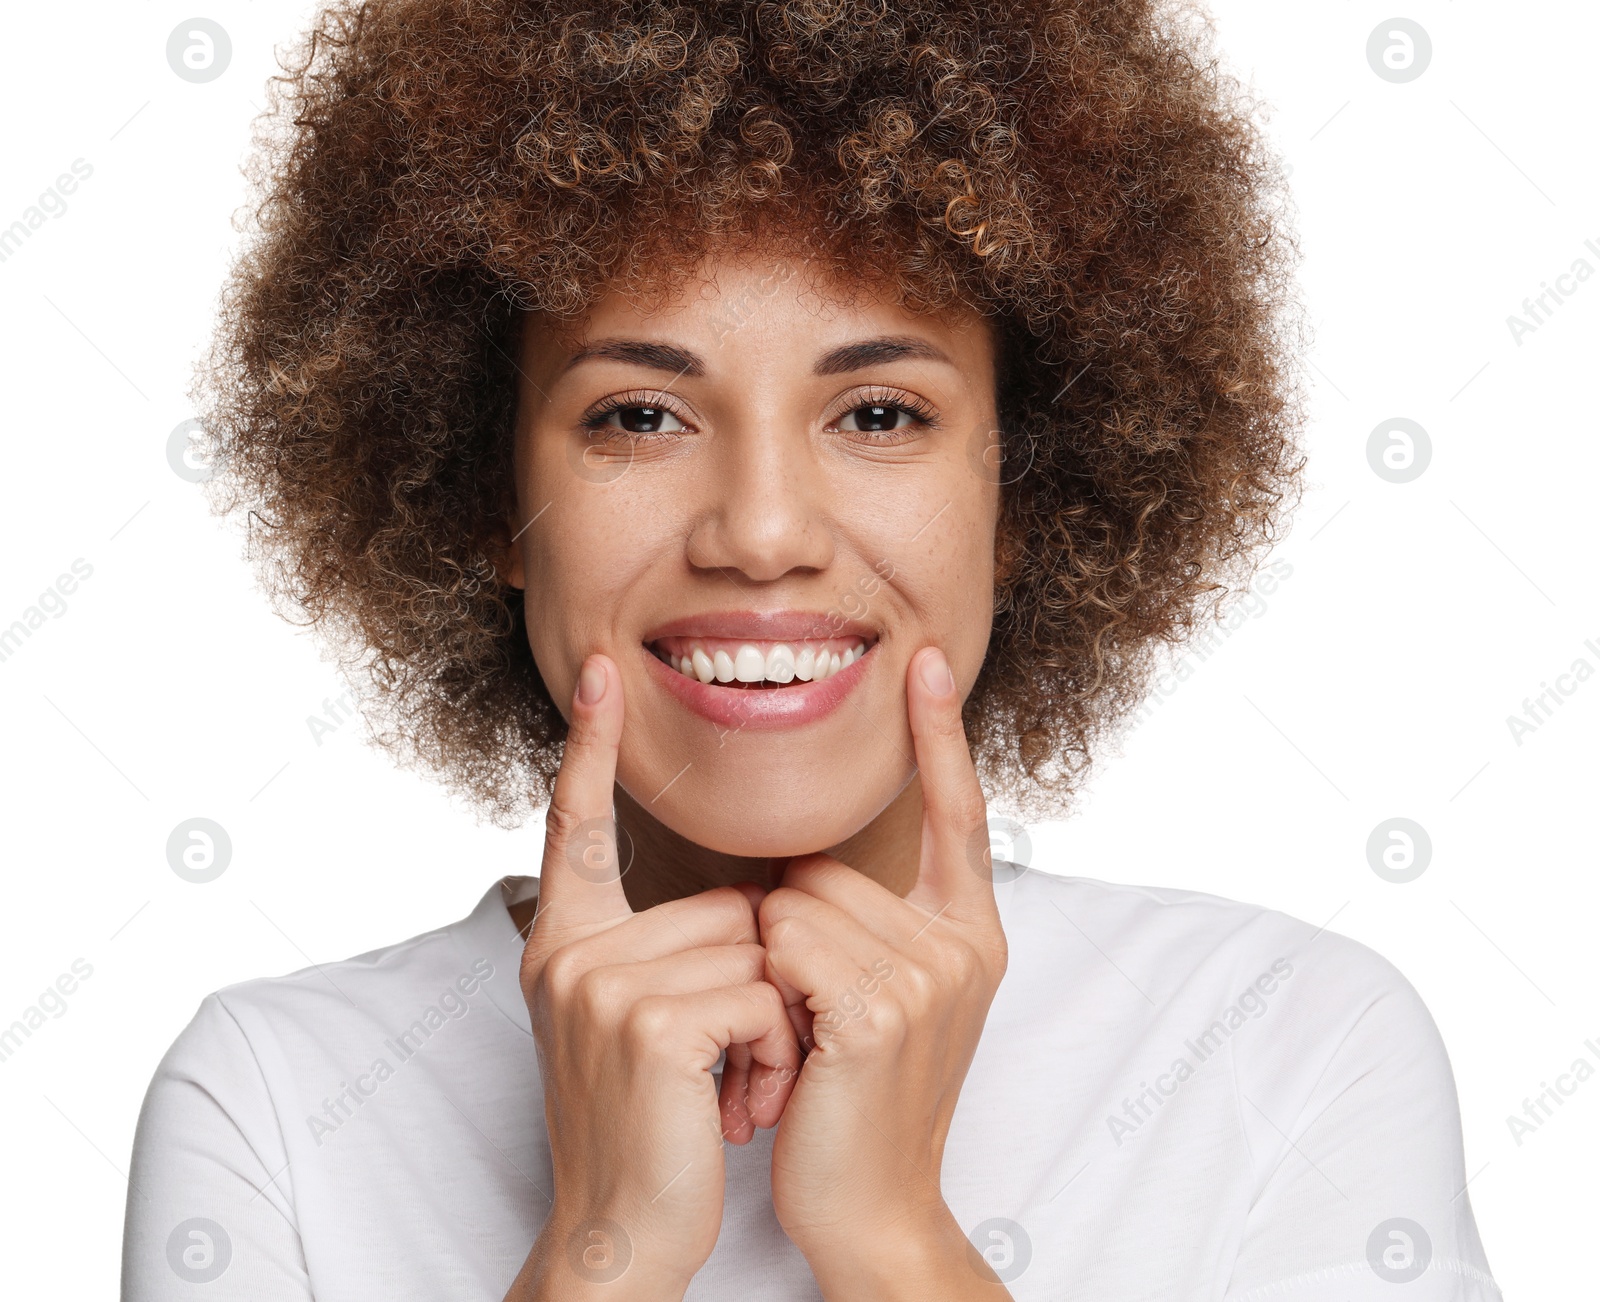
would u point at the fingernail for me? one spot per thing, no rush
(591, 683)
(936, 675)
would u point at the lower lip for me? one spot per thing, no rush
(760, 708)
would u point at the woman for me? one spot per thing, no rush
(709, 419)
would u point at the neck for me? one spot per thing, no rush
(666, 866)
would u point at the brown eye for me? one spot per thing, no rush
(638, 420)
(632, 418)
(874, 418)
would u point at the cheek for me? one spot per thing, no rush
(585, 555)
(944, 563)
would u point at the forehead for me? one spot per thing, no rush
(794, 298)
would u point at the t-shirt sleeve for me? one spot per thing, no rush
(1350, 1109)
(209, 1198)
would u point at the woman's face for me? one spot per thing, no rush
(728, 495)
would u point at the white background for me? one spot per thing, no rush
(1375, 683)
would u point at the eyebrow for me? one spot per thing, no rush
(680, 361)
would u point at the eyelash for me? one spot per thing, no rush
(595, 418)
(876, 396)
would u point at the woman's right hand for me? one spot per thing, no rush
(630, 1011)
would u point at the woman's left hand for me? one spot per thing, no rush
(896, 992)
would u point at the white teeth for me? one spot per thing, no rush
(780, 664)
(749, 666)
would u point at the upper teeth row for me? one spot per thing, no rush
(781, 664)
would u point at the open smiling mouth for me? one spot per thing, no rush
(730, 662)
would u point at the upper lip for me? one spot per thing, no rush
(764, 626)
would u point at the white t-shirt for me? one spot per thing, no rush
(1176, 1096)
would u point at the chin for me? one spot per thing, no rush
(769, 817)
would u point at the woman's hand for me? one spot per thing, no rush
(629, 1014)
(896, 992)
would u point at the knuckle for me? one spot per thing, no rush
(561, 973)
(949, 725)
(781, 902)
(751, 960)
(962, 963)
(889, 1019)
(648, 1022)
(730, 913)
(561, 824)
(919, 988)
(769, 996)
(777, 933)
(967, 807)
(584, 734)
(596, 992)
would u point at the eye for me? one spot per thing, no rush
(884, 412)
(875, 418)
(634, 415)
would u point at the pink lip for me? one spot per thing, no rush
(756, 708)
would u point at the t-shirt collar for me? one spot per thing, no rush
(488, 932)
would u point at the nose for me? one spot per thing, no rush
(767, 500)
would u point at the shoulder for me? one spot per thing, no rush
(1185, 927)
(267, 1025)
(1231, 959)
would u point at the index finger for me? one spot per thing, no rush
(580, 880)
(954, 812)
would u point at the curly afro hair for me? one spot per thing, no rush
(431, 171)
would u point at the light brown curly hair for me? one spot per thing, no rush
(430, 171)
